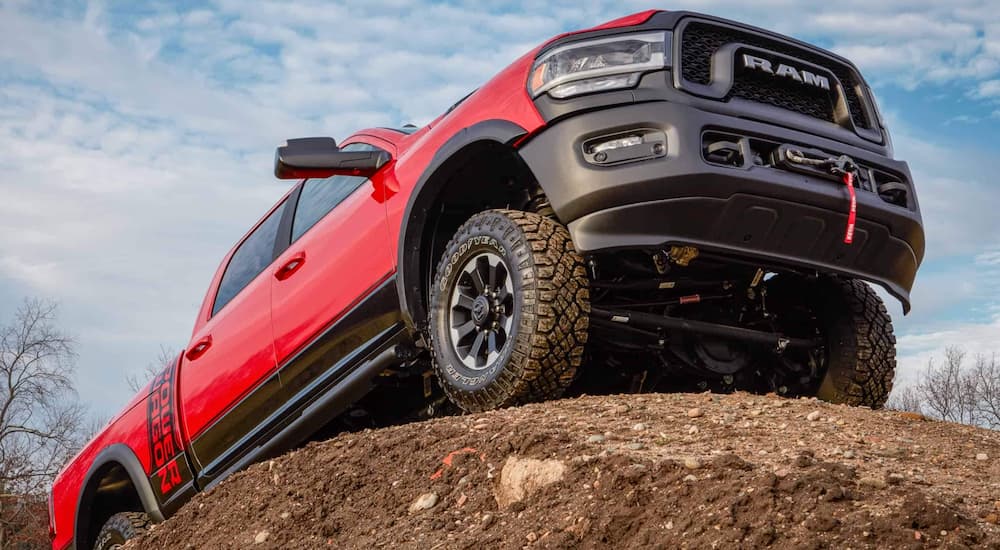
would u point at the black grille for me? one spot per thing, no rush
(763, 88)
(701, 40)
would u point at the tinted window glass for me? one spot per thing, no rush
(320, 196)
(255, 254)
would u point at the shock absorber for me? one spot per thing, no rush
(539, 203)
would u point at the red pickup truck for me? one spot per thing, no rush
(665, 200)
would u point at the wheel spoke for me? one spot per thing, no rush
(502, 294)
(493, 274)
(502, 274)
(477, 278)
(477, 345)
(493, 348)
(465, 329)
(464, 302)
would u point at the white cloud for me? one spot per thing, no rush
(137, 137)
(989, 258)
(963, 119)
(988, 89)
(955, 187)
(935, 327)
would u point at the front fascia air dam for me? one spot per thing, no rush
(771, 216)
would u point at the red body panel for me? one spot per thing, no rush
(129, 429)
(505, 97)
(241, 356)
(347, 254)
(241, 353)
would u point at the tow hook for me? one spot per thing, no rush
(843, 167)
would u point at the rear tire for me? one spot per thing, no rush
(121, 528)
(509, 311)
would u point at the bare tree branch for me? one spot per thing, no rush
(953, 391)
(905, 398)
(986, 378)
(164, 359)
(948, 390)
(40, 415)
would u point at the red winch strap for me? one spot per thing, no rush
(852, 215)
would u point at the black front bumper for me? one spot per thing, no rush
(768, 215)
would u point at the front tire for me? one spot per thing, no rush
(121, 528)
(509, 311)
(857, 361)
(861, 346)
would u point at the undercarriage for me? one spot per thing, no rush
(683, 319)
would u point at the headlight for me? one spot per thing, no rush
(601, 64)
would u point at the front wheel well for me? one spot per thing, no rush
(483, 175)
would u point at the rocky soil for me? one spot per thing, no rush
(636, 471)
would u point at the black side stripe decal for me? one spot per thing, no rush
(168, 464)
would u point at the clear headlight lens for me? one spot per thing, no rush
(599, 84)
(601, 64)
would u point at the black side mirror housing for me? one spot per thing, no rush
(319, 157)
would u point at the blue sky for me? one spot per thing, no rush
(136, 138)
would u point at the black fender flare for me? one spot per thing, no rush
(418, 209)
(121, 454)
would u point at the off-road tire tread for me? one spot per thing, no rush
(128, 524)
(862, 361)
(553, 328)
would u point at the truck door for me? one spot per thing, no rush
(336, 293)
(229, 370)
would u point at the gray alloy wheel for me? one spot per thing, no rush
(509, 311)
(482, 310)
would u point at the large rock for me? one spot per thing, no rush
(522, 477)
(425, 501)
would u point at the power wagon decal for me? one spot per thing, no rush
(168, 463)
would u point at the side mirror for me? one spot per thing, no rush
(319, 157)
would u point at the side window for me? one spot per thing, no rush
(320, 196)
(252, 257)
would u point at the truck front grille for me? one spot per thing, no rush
(700, 40)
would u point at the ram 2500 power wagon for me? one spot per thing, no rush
(667, 200)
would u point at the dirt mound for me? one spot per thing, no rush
(656, 471)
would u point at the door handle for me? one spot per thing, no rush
(199, 349)
(290, 267)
